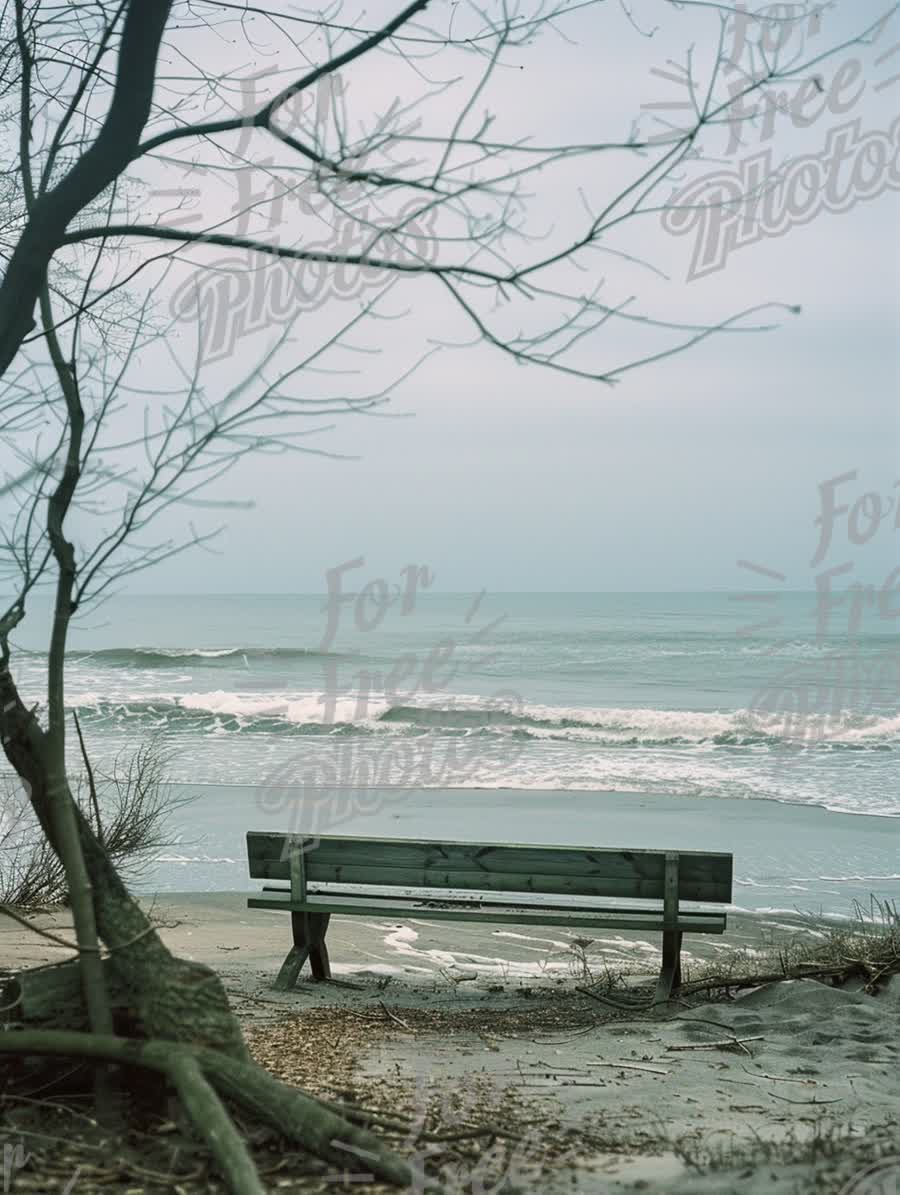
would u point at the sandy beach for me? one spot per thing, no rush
(450, 499)
(793, 1087)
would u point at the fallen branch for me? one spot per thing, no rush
(781, 1078)
(564, 1083)
(489, 1130)
(7, 911)
(626, 1002)
(728, 1044)
(804, 1103)
(301, 1118)
(366, 1116)
(838, 971)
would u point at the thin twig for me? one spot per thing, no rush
(728, 1044)
(45, 933)
(399, 1020)
(92, 787)
(632, 1066)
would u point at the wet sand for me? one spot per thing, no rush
(786, 856)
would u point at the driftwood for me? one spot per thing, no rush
(728, 1043)
(873, 974)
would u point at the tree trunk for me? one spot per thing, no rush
(50, 998)
(172, 998)
(99, 166)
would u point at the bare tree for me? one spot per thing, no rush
(111, 110)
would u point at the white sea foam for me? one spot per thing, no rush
(882, 728)
(611, 725)
(185, 859)
(439, 739)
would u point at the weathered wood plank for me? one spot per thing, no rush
(671, 888)
(478, 900)
(639, 920)
(346, 841)
(482, 856)
(550, 885)
(502, 868)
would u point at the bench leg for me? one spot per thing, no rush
(318, 951)
(309, 943)
(670, 975)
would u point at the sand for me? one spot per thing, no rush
(478, 1026)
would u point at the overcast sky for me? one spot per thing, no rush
(518, 479)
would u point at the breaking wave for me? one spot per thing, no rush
(177, 657)
(312, 713)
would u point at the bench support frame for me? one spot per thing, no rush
(670, 974)
(308, 931)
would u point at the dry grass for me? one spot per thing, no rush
(866, 946)
(823, 1158)
(132, 809)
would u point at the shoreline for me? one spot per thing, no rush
(177, 783)
(525, 790)
(786, 854)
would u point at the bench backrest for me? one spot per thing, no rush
(548, 870)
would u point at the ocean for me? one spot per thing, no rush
(699, 696)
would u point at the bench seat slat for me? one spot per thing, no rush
(508, 881)
(485, 900)
(628, 919)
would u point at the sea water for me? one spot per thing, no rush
(681, 695)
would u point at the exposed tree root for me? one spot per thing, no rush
(310, 1123)
(213, 1124)
(201, 1076)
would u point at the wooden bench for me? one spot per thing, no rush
(485, 882)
